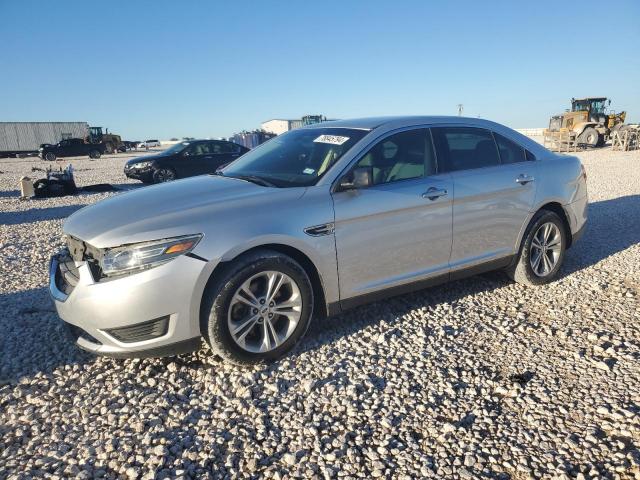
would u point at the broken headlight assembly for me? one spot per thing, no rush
(141, 256)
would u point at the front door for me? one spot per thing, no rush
(399, 229)
(192, 159)
(494, 187)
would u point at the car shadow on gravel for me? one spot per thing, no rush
(613, 226)
(33, 215)
(9, 193)
(33, 338)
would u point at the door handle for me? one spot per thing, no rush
(434, 193)
(524, 179)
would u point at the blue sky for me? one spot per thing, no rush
(190, 68)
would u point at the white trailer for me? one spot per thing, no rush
(26, 137)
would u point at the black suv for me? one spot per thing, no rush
(71, 147)
(184, 159)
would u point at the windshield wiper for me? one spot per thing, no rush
(251, 178)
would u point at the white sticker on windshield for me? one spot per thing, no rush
(332, 139)
(308, 171)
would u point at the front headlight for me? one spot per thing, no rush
(141, 165)
(141, 256)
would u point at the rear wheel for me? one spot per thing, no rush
(542, 251)
(50, 156)
(94, 154)
(590, 137)
(163, 175)
(259, 308)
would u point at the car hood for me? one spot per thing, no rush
(169, 209)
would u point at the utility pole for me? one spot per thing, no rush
(460, 109)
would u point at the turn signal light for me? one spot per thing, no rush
(179, 247)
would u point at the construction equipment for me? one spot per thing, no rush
(589, 119)
(313, 119)
(626, 138)
(112, 143)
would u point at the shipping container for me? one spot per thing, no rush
(25, 137)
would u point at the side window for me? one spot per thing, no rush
(464, 148)
(221, 147)
(529, 156)
(199, 149)
(401, 156)
(510, 152)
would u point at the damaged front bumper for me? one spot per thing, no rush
(142, 174)
(147, 314)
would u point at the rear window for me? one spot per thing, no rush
(464, 148)
(510, 152)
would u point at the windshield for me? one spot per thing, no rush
(297, 158)
(177, 148)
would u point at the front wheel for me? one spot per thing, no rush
(50, 157)
(542, 251)
(259, 308)
(590, 137)
(163, 175)
(94, 154)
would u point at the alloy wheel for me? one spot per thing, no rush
(264, 311)
(546, 246)
(165, 175)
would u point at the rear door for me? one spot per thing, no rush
(399, 229)
(492, 197)
(222, 154)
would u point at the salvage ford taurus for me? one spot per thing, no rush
(314, 221)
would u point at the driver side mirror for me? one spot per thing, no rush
(361, 177)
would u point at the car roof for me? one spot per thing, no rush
(389, 122)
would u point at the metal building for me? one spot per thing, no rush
(251, 139)
(279, 125)
(23, 137)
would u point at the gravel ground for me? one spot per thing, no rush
(480, 378)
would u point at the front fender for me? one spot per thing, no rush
(580, 127)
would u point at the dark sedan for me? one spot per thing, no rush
(184, 159)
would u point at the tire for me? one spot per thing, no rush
(589, 137)
(221, 311)
(108, 148)
(50, 157)
(523, 270)
(94, 154)
(162, 175)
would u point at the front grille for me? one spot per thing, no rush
(555, 123)
(141, 331)
(67, 274)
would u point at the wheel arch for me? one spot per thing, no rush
(320, 304)
(558, 209)
(579, 128)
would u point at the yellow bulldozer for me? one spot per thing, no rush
(589, 119)
(112, 142)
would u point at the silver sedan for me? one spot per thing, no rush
(311, 223)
